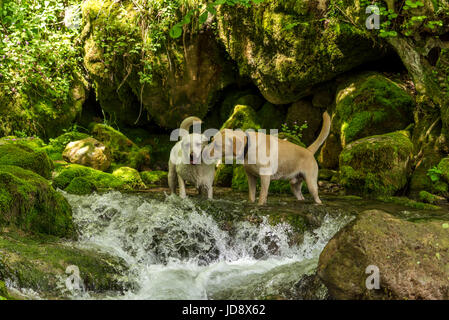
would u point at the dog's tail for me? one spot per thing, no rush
(323, 134)
(188, 122)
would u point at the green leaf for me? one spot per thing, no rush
(176, 31)
(203, 17)
(445, 225)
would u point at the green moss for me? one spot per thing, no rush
(287, 48)
(28, 201)
(372, 104)
(404, 201)
(243, 117)
(130, 177)
(101, 180)
(154, 178)
(39, 263)
(80, 186)
(376, 165)
(427, 197)
(443, 166)
(24, 157)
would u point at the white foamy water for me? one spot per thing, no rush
(177, 251)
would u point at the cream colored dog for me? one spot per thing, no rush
(286, 162)
(186, 163)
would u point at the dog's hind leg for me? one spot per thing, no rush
(252, 182)
(182, 187)
(312, 185)
(296, 186)
(172, 177)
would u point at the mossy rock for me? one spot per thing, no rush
(34, 143)
(155, 178)
(81, 186)
(101, 180)
(124, 151)
(287, 47)
(88, 152)
(32, 114)
(371, 104)
(130, 177)
(406, 202)
(29, 202)
(378, 165)
(181, 79)
(427, 197)
(397, 248)
(243, 117)
(26, 158)
(40, 263)
(56, 146)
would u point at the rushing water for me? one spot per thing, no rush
(175, 250)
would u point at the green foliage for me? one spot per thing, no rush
(295, 131)
(38, 53)
(434, 174)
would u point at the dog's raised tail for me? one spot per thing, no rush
(323, 134)
(188, 122)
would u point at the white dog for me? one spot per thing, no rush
(186, 163)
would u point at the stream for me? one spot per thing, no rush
(188, 249)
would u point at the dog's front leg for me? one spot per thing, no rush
(182, 187)
(252, 183)
(264, 185)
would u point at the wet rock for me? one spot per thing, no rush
(88, 152)
(412, 258)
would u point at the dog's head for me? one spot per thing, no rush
(227, 144)
(192, 146)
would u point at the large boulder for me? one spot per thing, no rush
(378, 165)
(287, 47)
(29, 202)
(370, 104)
(88, 152)
(140, 73)
(412, 258)
(23, 156)
(123, 150)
